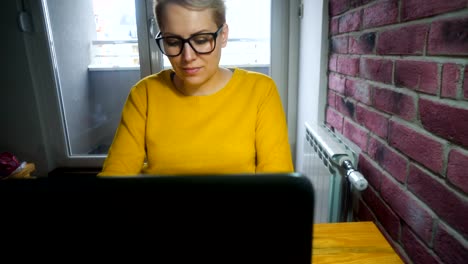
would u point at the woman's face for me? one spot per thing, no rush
(192, 68)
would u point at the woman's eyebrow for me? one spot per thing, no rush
(169, 34)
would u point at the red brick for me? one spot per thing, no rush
(408, 40)
(345, 106)
(417, 75)
(422, 148)
(394, 102)
(449, 37)
(382, 13)
(364, 213)
(374, 148)
(372, 120)
(372, 174)
(418, 252)
(450, 78)
(335, 119)
(449, 206)
(465, 83)
(389, 159)
(362, 44)
(331, 98)
(338, 6)
(350, 22)
(333, 62)
(457, 172)
(358, 3)
(334, 22)
(356, 134)
(336, 83)
(384, 214)
(339, 44)
(449, 247)
(347, 65)
(412, 9)
(411, 211)
(358, 90)
(376, 70)
(445, 120)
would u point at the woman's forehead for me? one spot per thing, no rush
(181, 20)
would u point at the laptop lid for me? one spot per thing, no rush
(197, 218)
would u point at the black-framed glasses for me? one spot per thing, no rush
(201, 43)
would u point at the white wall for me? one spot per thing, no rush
(20, 125)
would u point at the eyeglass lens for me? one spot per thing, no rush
(201, 43)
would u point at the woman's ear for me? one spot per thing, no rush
(224, 35)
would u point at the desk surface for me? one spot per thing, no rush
(356, 242)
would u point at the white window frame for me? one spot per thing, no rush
(313, 65)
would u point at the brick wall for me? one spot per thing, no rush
(398, 88)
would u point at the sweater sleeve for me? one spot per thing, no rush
(271, 135)
(127, 152)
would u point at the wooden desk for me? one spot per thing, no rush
(356, 242)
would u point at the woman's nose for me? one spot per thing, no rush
(188, 53)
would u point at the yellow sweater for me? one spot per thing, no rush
(239, 129)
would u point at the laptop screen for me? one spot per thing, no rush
(197, 218)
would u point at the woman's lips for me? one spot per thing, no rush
(191, 71)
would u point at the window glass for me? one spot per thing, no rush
(96, 67)
(116, 43)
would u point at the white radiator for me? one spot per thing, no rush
(329, 164)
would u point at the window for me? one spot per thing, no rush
(93, 44)
(249, 43)
(99, 52)
(116, 43)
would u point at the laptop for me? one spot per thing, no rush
(242, 218)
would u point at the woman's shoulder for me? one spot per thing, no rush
(252, 75)
(162, 77)
(152, 83)
(258, 82)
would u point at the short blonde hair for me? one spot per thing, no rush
(218, 6)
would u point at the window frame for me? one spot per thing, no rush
(313, 71)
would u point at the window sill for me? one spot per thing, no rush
(136, 68)
(113, 68)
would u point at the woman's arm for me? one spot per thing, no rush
(271, 135)
(127, 152)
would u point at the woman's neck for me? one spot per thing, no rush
(211, 86)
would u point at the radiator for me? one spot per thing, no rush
(330, 164)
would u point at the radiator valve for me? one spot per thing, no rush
(354, 176)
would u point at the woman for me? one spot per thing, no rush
(198, 117)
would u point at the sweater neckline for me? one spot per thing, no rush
(229, 85)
